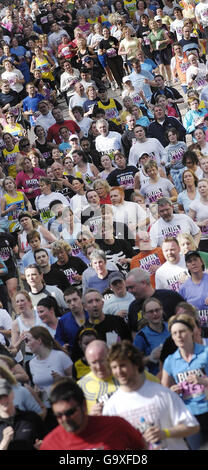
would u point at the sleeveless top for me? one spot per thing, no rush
(24, 244)
(84, 175)
(23, 327)
(110, 109)
(20, 206)
(44, 66)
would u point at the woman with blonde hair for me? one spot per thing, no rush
(187, 243)
(106, 163)
(102, 188)
(190, 193)
(72, 266)
(27, 224)
(26, 318)
(13, 202)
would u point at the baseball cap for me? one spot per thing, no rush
(5, 387)
(189, 255)
(157, 18)
(73, 136)
(126, 79)
(116, 276)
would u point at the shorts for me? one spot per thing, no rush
(103, 60)
(9, 275)
(164, 56)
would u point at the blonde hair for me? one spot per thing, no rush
(59, 246)
(7, 375)
(186, 236)
(184, 318)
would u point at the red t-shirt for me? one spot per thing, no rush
(25, 182)
(53, 131)
(101, 433)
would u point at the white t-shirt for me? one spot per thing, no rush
(177, 27)
(11, 77)
(180, 223)
(201, 211)
(153, 192)
(129, 213)
(42, 204)
(55, 39)
(57, 361)
(45, 121)
(171, 276)
(201, 13)
(200, 72)
(114, 304)
(151, 146)
(155, 404)
(108, 144)
(84, 125)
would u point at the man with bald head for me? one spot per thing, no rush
(98, 385)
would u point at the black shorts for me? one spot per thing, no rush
(164, 56)
(11, 273)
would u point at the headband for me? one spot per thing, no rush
(184, 323)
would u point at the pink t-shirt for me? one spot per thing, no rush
(25, 182)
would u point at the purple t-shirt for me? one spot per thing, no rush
(197, 295)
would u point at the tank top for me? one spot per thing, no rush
(23, 327)
(182, 65)
(130, 7)
(20, 206)
(44, 66)
(110, 109)
(142, 177)
(24, 244)
(85, 175)
(10, 157)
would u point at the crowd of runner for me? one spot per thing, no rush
(103, 222)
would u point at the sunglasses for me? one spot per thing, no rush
(66, 413)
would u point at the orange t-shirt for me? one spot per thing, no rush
(147, 260)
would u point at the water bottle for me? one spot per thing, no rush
(144, 425)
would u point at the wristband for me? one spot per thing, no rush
(167, 432)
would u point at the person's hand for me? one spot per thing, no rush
(66, 347)
(154, 434)
(13, 207)
(155, 354)
(8, 434)
(37, 444)
(195, 379)
(55, 375)
(176, 388)
(122, 313)
(96, 409)
(153, 268)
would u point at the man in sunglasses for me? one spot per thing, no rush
(79, 431)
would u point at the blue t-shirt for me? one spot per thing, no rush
(147, 340)
(194, 396)
(67, 329)
(32, 103)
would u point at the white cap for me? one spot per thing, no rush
(126, 79)
(157, 17)
(73, 136)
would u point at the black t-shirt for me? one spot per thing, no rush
(119, 249)
(45, 150)
(168, 298)
(111, 324)
(27, 425)
(60, 281)
(45, 22)
(92, 218)
(74, 266)
(109, 43)
(65, 190)
(142, 32)
(123, 178)
(7, 243)
(12, 98)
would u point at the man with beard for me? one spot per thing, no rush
(173, 273)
